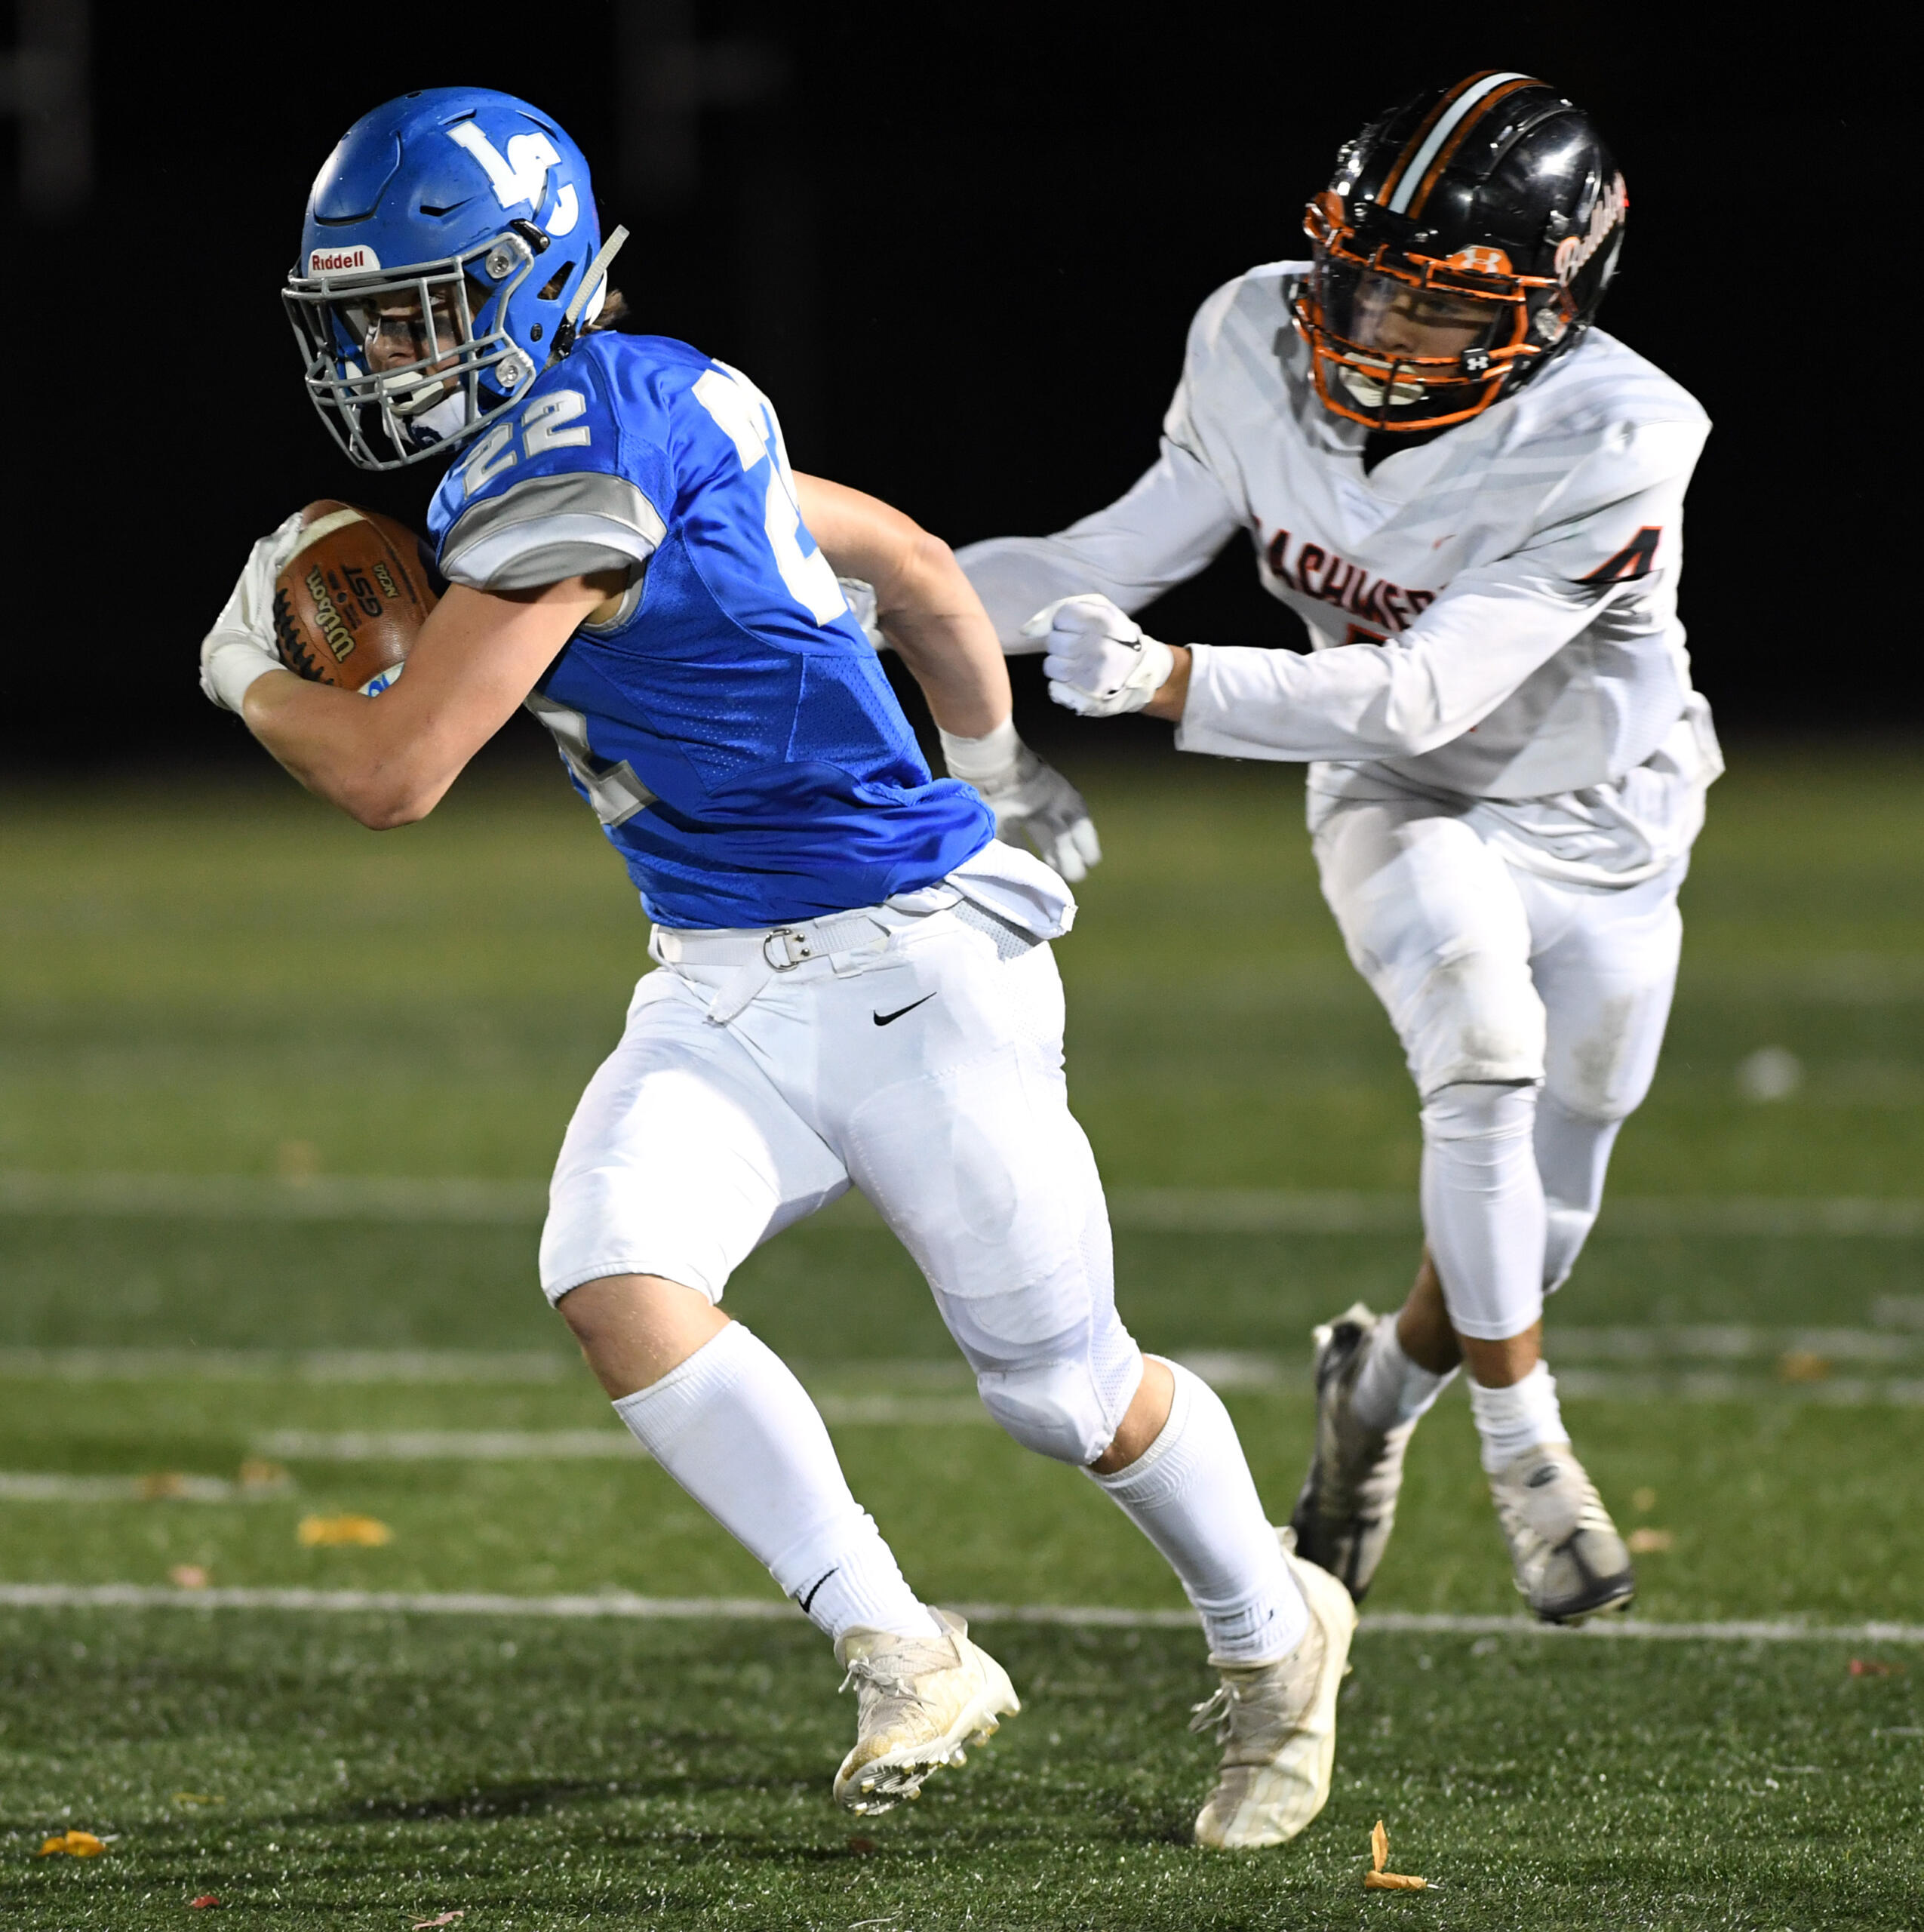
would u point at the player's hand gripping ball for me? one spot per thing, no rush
(350, 598)
(336, 594)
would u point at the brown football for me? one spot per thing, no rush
(350, 602)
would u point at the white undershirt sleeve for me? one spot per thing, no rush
(1494, 625)
(1169, 527)
(1466, 653)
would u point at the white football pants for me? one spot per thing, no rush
(923, 1062)
(1531, 1013)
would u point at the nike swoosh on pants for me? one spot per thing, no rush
(889, 1019)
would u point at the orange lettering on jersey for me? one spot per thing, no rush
(1382, 605)
(1636, 559)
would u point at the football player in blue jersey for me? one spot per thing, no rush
(856, 986)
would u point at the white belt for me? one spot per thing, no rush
(778, 949)
(746, 959)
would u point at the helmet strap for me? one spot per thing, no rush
(597, 274)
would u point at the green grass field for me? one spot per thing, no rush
(310, 1028)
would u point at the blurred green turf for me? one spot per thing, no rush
(228, 979)
(194, 978)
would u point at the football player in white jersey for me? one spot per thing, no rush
(1473, 498)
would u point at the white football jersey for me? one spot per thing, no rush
(1507, 590)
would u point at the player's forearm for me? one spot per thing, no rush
(387, 761)
(340, 745)
(924, 604)
(940, 630)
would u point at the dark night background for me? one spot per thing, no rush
(960, 246)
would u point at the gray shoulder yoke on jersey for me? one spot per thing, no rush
(549, 528)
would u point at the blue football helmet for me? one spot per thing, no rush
(451, 252)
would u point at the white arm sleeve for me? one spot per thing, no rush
(1442, 677)
(1495, 625)
(1168, 527)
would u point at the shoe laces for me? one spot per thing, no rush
(897, 1671)
(1250, 1721)
(1219, 1712)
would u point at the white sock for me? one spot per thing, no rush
(736, 1429)
(1511, 1420)
(1192, 1494)
(1482, 1206)
(1390, 1388)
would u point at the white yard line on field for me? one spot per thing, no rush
(403, 1365)
(571, 1445)
(1621, 1364)
(618, 1604)
(1141, 1209)
(247, 1197)
(166, 1486)
(449, 1445)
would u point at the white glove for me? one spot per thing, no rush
(1099, 664)
(240, 648)
(1023, 792)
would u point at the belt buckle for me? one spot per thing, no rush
(797, 946)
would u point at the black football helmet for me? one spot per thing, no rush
(1464, 244)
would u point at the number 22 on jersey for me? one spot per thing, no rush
(543, 426)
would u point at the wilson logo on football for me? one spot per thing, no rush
(1575, 250)
(342, 261)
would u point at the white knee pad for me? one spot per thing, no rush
(1068, 1402)
(1433, 919)
(1472, 1018)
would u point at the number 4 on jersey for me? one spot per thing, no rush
(743, 414)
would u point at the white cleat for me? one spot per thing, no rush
(1277, 1723)
(919, 1700)
(1569, 1561)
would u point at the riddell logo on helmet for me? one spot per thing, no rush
(342, 261)
(1575, 250)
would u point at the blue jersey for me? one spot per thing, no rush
(729, 723)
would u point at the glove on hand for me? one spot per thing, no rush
(1099, 664)
(1023, 792)
(240, 648)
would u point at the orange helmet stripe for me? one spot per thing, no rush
(1415, 141)
(1460, 102)
(1447, 152)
